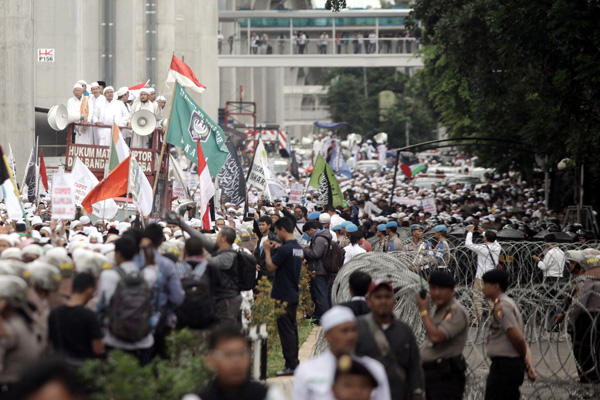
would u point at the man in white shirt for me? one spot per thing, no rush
(317, 148)
(95, 102)
(142, 103)
(112, 110)
(554, 261)
(313, 379)
(125, 249)
(488, 257)
(78, 104)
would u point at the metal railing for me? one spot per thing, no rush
(316, 45)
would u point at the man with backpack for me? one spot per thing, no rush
(314, 253)
(125, 300)
(228, 300)
(287, 267)
(488, 257)
(169, 293)
(199, 281)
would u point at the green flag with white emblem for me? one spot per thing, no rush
(190, 124)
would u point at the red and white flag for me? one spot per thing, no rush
(183, 74)
(206, 188)
(43, 174)
(140, 86)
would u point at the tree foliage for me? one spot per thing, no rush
(516, 69)
(347, 102)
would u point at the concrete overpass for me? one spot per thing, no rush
(320, 60)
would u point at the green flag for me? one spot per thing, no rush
(188, 124)
(323, 178)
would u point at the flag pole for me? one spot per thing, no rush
(27, 168)
(164, 145)
(395, 175)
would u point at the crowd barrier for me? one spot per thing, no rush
(551, 346)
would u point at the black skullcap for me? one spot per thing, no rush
(442, 279)
(347, 365)
(496, 276)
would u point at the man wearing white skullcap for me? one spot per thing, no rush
(162, 102)
(79, 104)
(96, 103)
(111, 110)
(313, 379)
(142, 103)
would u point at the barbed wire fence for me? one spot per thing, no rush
(539, 302)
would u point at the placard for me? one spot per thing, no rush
(63, 197)
(429, 205)
(296, 193)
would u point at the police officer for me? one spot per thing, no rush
(506, 345)
(420, 249)
(381, 244)
(446, 328)
(584, 319)
(394, 243)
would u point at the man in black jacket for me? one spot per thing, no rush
(314, 253)
(229, 357)
(391, 342)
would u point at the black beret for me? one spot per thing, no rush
(496, 276)
(442, 279)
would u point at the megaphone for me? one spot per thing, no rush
(60, 116)
(143, 122)
(307, 140)
(381, 137)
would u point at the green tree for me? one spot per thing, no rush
(518, 69)
(347, 102)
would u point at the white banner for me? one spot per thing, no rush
(84, 181)
(63, 197)
(296, 193)
(179, 190)
(257, 175)
(429, 205)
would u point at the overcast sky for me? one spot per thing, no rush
(353, 3)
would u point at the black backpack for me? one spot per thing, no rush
(246, 266)
(197, 309)
(130, 308)
(334, 258)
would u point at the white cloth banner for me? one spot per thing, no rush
(13, 207)
(84, 181)
(63, 197)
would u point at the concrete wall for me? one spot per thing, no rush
(17, 79)
(186, 27)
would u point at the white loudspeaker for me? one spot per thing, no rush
(143, 122)
(307, 141)
(381, 137)
(59, 117)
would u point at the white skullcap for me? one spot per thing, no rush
(108, 88)
(33, 249)
(122, 90)
(84, 220)
(11, 253)
(150, 90)
(131, 97)
(145, 90)
(77, 86)
(336, 315)
(161, 98)
(94, 84)
(82, 82)
(8, 239)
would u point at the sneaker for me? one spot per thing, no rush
(285, 372)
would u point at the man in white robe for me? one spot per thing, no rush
(77, 103)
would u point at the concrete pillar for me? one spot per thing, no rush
(17, 89)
